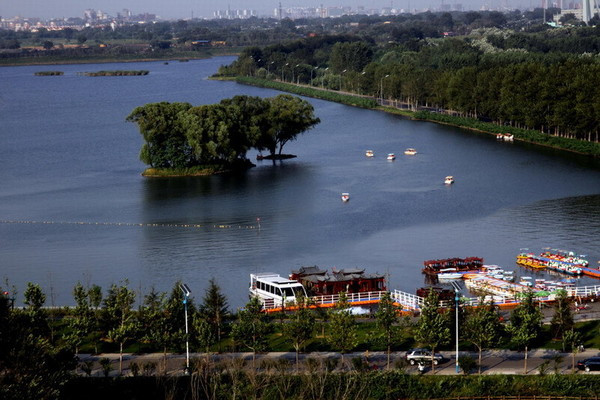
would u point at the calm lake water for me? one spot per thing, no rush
(74, 206)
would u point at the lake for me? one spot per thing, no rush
(74, 207)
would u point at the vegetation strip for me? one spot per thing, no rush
(348, 99)
(115, 73)
(49, 73)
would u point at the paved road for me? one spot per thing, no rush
(493, 362)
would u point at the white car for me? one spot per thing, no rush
(414, 356)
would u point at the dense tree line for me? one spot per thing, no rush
(524, 80)
(405, 28)
(179, 136)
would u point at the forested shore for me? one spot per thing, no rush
(523, 81)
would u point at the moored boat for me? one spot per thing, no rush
(320, 282)
(391, 157)
(566, 263)
(448, 265)
(410, 152)
(449, 180)
(345, 197)
(449, 276)
(273, 289)
(369, 153)
(508, 137)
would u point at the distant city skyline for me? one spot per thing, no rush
(183, 9)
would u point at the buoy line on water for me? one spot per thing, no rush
(144, 225)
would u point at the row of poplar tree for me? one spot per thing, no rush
(530, 82)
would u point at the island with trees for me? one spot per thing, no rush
(183, 140)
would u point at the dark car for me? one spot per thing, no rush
(589, 364)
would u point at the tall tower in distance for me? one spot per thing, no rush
(280, 12)
(587, 7)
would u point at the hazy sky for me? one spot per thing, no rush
(204, 8)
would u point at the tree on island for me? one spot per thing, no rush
(289, 116)
(178, 136)
(166, 145)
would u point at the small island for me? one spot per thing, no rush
(115, 73)
(182, 140)
(49, 73)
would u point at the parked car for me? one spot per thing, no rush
(414, 356)
(589, 364)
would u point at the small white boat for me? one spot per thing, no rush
(449, 276)
(500, 136)
(345, 197)
(391, 157)
(369, 153)
(449, 180)
(410, 152)
(508, 137)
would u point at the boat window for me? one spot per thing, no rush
(289, 292)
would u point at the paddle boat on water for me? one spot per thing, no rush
(508, 137)
(410, 152)
(391, 157)
(449, 180)
(369, 153)
(345, 197)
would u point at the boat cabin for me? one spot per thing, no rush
(434, 267)
(320, 282)
(274, 288)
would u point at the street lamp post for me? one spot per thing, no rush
(282, 69)
(186, 294)
(311, 74)
(381, 84)
(323, 80)
(341, 74)
(269, 67)
(457, 303)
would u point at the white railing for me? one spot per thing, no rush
(407, 300)
(270, 304)
(413, 302)
(584, 291)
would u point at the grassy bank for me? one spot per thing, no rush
(347, 99)
(535, 137)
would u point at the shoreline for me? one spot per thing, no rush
(71, 61)
(593, 154)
